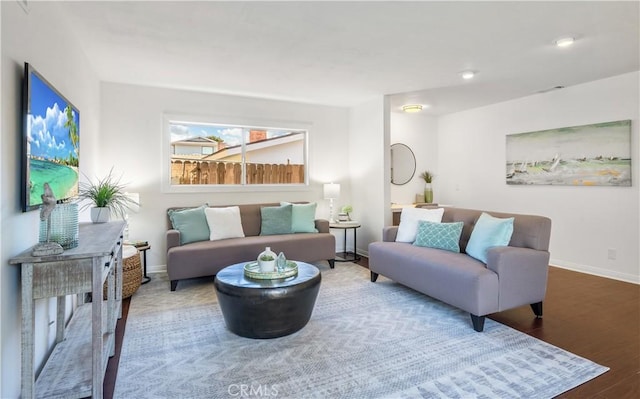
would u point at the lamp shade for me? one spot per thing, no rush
(331, 191)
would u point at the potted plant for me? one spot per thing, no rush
(428, 191)
(107, 196)
(346, 210)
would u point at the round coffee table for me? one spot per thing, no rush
(255, 308)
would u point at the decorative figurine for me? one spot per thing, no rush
(281, 262)
(48, 204)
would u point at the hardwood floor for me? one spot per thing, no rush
(593, 317)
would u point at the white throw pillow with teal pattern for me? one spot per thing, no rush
(439, 235)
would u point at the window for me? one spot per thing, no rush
(206, 155)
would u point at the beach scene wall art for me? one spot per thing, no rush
(590, 155)
(52, 143)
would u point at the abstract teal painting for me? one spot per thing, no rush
(590, 155)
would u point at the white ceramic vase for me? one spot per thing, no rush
(267, 266)
(100, 215)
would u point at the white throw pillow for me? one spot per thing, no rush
(224, 222)
(409, 221)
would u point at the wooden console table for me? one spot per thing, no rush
(76, 366)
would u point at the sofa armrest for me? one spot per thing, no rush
(322, 225)
(522, 274)
(389, 233)
(173, 239)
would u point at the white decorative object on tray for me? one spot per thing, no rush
(252, 270)
(267, 260)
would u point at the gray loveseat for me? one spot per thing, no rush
(513, 276)
(206, 258)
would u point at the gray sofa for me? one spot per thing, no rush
(514, 275)
(206, 258)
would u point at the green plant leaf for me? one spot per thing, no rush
(107, 192)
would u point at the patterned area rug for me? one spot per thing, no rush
(364, 340)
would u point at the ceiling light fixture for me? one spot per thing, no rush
(565, 41)
(412, 108)
(468, 75)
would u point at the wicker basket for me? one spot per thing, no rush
(131, 272)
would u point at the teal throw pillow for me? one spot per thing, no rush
(489, 232)
(191, 223)
(276, 220)
(439, 235)
(303, 217)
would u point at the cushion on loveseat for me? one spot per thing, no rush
(489, 232)
(191, 223)
(303, 217)
(224, 222)
(275, 220)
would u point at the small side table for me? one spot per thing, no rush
(142, 246)
(347, 256)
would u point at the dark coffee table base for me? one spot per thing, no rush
(267, 312)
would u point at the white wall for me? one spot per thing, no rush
(42, 40)
(368, 164)
(131, 142)
(2, 256)
(587, 221)
(420, 133)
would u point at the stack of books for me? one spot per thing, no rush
(136, 243)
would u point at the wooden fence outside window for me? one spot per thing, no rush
(219, 172)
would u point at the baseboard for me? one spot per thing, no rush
(362, 252)
(595, 271)
(157, 269)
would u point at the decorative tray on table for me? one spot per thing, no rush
(252, 270)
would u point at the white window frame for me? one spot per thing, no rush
(244, 122)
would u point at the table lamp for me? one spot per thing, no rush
(331, 192)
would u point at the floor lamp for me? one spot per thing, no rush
(331, 192)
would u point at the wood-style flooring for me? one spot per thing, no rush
(593, 317)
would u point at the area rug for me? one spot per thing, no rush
(364, 340)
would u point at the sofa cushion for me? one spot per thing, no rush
(409, 219)
(224, 223)
(276, 219)
(191, 223)
(439, 235)
(303, 217)
(489, 232)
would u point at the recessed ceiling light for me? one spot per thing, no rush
(468, 75)
(412, 108)
(565, 41)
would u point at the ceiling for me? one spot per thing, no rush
(347, 53)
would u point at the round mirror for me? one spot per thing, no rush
(403, 164)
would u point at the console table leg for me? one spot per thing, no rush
(28, 325)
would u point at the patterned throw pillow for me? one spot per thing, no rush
(439, 235)
(409, 219)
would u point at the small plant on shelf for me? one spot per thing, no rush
(347, 209)
(428, 191)
(107, 193)
(426, 176)
(266, 258)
